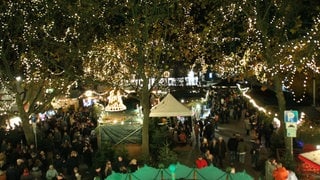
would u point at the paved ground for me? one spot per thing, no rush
(187, 154)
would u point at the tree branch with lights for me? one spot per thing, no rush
(41, 44)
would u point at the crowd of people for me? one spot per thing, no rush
(65, 140)
(120, 165)
(228, 106)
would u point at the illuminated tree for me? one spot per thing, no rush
(278, 41)
(144, 38)
(285, 44)
(7, 100)
(41, 41)
(219, 26)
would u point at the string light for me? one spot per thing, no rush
(103, 63)
(262, 109)
(34, 72)
(292, 56)
(7, 99)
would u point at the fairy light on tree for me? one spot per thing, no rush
(284, 44)
(42, 42)
(146, 39)
(7, 100)
(274, 42)
(268, 29)
(104, 63)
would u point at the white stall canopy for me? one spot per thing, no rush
(170, 107)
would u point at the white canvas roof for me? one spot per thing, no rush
(170, 107)
(312, 157)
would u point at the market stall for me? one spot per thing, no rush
(170, 107)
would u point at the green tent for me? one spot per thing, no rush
(180, 172)
(240, 176)
(120, 133)
(146, 172)
(208, 173)
(183, 171)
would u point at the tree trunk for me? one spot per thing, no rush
(26, 126)
(28, 131)
(145, 103)
(282, 107)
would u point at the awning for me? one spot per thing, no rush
(170, 107)
(311, 158)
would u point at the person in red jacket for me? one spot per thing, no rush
(280, 173)
(201, 162)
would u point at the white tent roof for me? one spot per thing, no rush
(170, 107)
(313, 156)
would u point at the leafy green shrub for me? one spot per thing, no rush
(167, 156)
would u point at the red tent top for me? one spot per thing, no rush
(311, 158)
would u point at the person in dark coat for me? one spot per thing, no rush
(20, 166)
(107, 170)
(201, 127)
(120, 166)
(213, 151)
(12, 173)
(59, 163)
(98, 175)
(36, 173)
(204, 146)
(232, 147)
(133, 165)
(255, 153)
(209, 131)
(87, 154)
(76, 174)
(221, 150)
(72, 162)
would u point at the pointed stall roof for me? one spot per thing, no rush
(170, 107)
